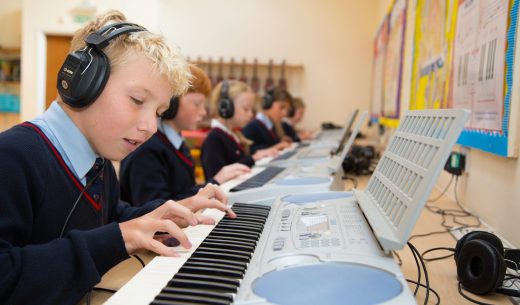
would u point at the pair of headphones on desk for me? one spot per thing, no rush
(482, 262)
(85, 72)
(225, 106)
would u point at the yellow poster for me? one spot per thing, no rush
(433, 42)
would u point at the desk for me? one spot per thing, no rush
(442, 274)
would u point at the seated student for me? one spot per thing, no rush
(232, 103)
(62, 225)
(263, 129)
(163, 167)
(294, 116)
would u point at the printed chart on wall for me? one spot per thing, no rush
(388, 64)
(482, 62)
(467, 63)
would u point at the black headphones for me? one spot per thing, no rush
(268, 100)
(482, 262)
(172, 110)
(85, 72)
(225, 106)
(292, 110)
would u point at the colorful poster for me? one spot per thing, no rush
(434, 31)
(380, 43)
(393, 63)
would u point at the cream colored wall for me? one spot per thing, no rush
(490, 186)
(10, 14)
(332, 40)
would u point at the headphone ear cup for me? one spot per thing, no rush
(480, 235)
(480, 267)
(267, 101)
(171, 112)
(226, 108)
(83, 77)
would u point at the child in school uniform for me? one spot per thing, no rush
(232, 104)
(163, 166)
(265, 130)
(294, 116)
(62, 225)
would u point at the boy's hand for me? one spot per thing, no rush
(210, 196)
(231, 171)
(138, 233)
(264, 153)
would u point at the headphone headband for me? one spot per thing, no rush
(85, 72)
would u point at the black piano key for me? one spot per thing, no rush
(208, 277)
(169, 302)
(239, 228)
(211, 271)
(241, 222)
(221, 255)
(252, 205)
(218, 230)
(229, 239)
(196, 299)
(206, 264)
(189, 291)
(240, 264)
(230, 246)
(225, 251)
(208, 285)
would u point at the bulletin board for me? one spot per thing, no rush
(388, 65)
(463, 57)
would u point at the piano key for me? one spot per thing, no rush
(224, 251)
(190, 291)
(211, 286)
(224, 256)
(188, 299)
(218, 261)
(211, 271)
(208, 277)
(231, 246)
(206, 264)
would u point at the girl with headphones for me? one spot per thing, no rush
(163, 167)
(232, 103)
(294, 116)
(265, 130)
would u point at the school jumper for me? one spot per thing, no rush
(158, 169)
(289, 131)
(261, 131)
(39, 186)
(222, 148)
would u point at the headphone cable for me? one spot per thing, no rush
(78, 199)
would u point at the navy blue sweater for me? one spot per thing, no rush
(289, 131)
(156, 170)
(37, 193)
(221, 149)
(262, 137)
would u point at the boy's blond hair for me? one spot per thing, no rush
(167, 60)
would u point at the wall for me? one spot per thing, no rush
(330, 39)
(10, 13)
(489, 188)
